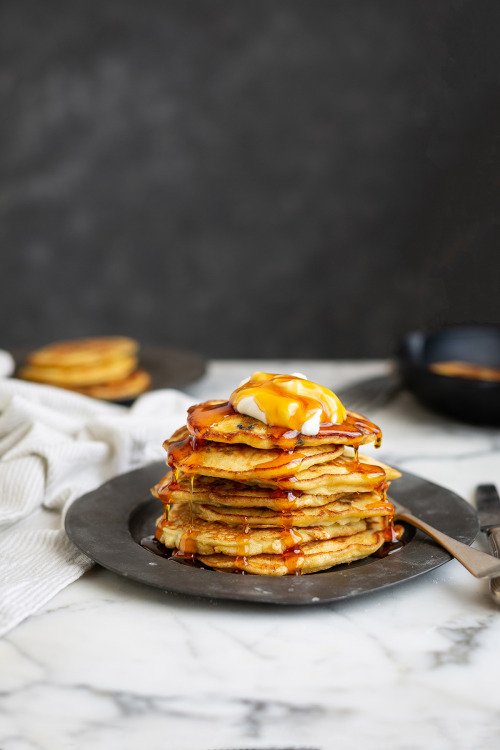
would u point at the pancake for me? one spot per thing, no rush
(80, 375)
(342, 475)
(308, 558)
(185, 530)
(240, 462)
(103, 367)
(85, 352)
(217, 492)
(133, 385)
(366, 506)
(218, 421)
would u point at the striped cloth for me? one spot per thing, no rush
(54, 447)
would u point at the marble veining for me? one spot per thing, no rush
(463, 640)
(110, 663)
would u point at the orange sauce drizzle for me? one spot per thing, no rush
(288, 400)
(243, 546)
(187, 546)
(353, 431)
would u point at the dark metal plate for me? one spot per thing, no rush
(108, 524)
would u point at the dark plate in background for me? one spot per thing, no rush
(169, 368)
(469, 399)
(109, 523)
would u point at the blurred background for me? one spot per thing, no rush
(248, 179)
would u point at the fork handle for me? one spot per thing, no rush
(480, 564)
(494, 542)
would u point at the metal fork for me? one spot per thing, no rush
(480, 564)
(369, 394)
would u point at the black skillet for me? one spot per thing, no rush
(469, 399)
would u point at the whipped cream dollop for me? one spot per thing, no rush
(290, 401)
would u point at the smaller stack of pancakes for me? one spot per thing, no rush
(264, 499)
(104, 367)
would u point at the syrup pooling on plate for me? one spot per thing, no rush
(152, 544)
(249, 495)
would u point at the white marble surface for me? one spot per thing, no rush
(112, 664)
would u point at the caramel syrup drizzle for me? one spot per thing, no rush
(292, 555)
(187, 542)
(184, 454)
(187, 546)
(243, 546)
(354, 429)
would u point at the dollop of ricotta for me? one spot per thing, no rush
(290, 401)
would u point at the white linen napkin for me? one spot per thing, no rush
(7, 364)
(54, 447)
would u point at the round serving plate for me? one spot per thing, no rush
(109, 523)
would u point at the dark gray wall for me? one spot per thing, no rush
(285, 178)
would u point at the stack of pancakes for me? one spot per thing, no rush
(243, 495)
(104, 367)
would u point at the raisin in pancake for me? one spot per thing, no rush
(308, 558)
(204, 537)
(84, 352)
(133, 385)
(366, 506)
(240, 462)
(218, 421)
